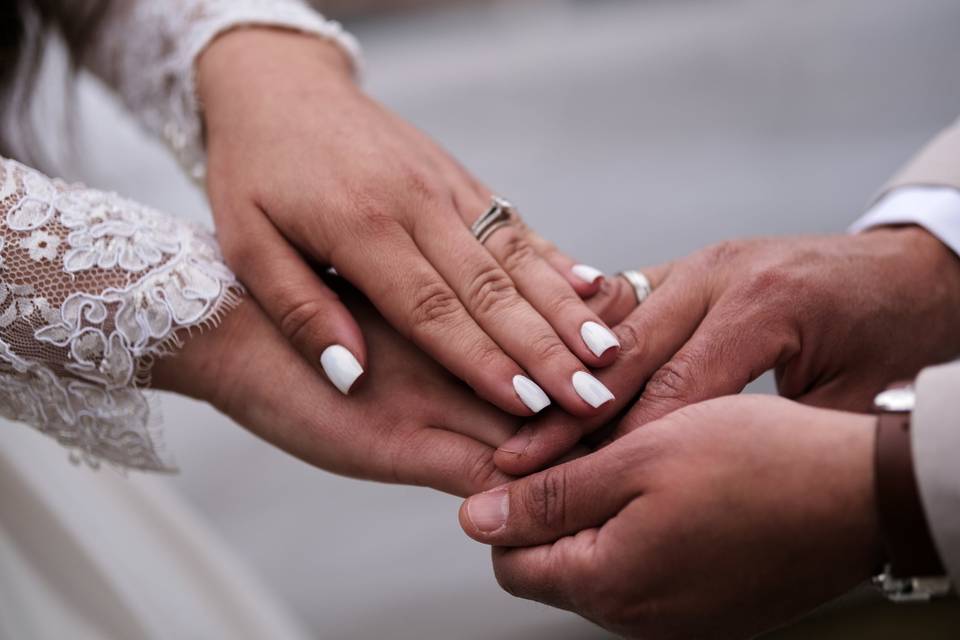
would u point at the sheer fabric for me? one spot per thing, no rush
(94, 287)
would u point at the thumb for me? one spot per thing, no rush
(549, 505)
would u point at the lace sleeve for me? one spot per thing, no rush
(93, 288)
(148, 49)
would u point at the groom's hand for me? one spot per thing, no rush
(721, 520)
(837, 317)
(415, 424)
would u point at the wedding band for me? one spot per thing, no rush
(640, 283)
(500, 214)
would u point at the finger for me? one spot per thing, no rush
(417, 301)
(473, 199)
(446, 461)
(550, 504)
(727, 353)
(552, 574)
(650, 336)
(462, 413)
(305, 310)
(420, 377)
(493, 301)
(617, 298)
(584, 279)
(553, 298)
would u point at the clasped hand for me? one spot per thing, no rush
(686, 526)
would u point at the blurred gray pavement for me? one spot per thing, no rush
(630, 133)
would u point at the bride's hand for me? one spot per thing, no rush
(413, 424)
(304, 167)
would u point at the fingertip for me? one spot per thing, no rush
(593, 392)
(531, 394)
(502, 386)
(484, 515)
(341, 367)
(586, 289)
(603, 343)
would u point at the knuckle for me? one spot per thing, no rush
(434, 304)
(548, 347)
(632, 345)
(481, 471)
(517, 251)
(487, 356)
(300, 319)
(722, 253)
(779, 285)
(564, 306)
(372, 224)
(424, 188)
(491, 289)
(672, 381)
(546, 498)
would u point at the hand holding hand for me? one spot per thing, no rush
(837, 317)
(304, 167)
(722, 520)
(414, 424)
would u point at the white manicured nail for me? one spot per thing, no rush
(341, 367)
(531, 393)
(593, 392)
(598, 338)
(587, 273)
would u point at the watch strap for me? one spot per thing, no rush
(903, 524)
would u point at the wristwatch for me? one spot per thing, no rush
(913, 570)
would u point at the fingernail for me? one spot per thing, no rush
(593, 392)
(518, 443)
(531, 393)
(598, 338)
(587, 273)
(488, 511)
(341, 367)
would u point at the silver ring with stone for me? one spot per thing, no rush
(640, 283)
(500, 214)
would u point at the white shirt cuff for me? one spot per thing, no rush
(936, 209)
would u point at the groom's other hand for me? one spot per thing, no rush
(837, 317)
(722, 520)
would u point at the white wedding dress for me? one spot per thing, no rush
(93, 288)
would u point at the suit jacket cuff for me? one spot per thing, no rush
(936, 165)
(935, 434)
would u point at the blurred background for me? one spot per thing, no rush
(629, 132)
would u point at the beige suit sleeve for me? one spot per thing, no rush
(936, 453)
(936, 165)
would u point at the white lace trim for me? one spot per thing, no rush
(149, 50)
(94, 287)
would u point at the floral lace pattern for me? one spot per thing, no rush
(149, 48)
(93, 288)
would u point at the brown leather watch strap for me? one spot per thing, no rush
(903, 525)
